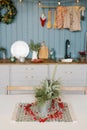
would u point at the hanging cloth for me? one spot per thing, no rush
(72, 19)
(61, 11)
(55, 20)
(75, 20)
(49, 24)
(67, 18)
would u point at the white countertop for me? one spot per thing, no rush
(7, 106)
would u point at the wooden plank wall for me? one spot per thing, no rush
(27, 26)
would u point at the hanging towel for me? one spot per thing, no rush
(67, 18)
(72, 19)
(75, 21)
(61, 11)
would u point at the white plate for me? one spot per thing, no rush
(19, 49)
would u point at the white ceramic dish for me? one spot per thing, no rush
(67, 60)
(20, 49)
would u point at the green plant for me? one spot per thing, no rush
(48, 90)
(2, 49)
(33, 46)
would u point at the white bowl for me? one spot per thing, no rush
(67, 60)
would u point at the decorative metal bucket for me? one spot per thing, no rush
(45, 108)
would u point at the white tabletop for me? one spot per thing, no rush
(7, 106)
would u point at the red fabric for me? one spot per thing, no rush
(42, 21)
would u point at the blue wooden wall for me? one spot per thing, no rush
(27, 26)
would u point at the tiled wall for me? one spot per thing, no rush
(27, 26)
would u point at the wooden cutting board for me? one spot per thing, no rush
(43, 52)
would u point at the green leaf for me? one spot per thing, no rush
(33, 46)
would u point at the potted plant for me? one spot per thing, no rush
(46, 92)
(35, 48)
(82, 56)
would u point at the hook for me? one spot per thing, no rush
(39, 3)
(20, 1)
(77, 1)
(59, 3)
